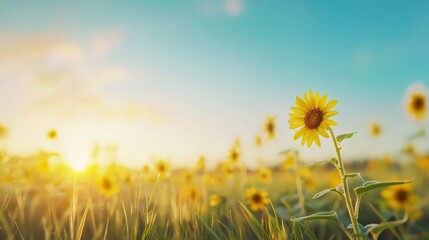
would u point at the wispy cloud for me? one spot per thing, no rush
(234, 7)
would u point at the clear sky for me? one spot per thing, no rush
(176, 79)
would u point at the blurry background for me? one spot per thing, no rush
(180, 79)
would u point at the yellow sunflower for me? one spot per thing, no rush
(108, 186)
(52, 134)
(163, 169)
(265, 174)
(258, 140)
(234, 154)
(311, 114)
(400, 196)
(270, 127)
(215, 200)
(3, 131)
(257, 199)
(375, 129)
(415, 101)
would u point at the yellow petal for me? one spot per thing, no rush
(322, 101)
(329, 114)
(316, 139)
(330, 105)
(299, 133)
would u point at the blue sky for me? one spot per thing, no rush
(191, 76)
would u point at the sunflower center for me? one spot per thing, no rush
(256, 198)
(313, 118)
(106, 184)
(270, 127)
(161, 168)
(401, 195)
(418, 103)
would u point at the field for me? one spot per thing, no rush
(41, 197)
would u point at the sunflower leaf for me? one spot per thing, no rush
(421, 133)
(377, 229)
(332, 160)
(372, 185)
(292, 150)
(332, 216)
(321, 193)
(342, 137)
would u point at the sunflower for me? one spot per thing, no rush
(415, 101)
(3, 131)
(215, 200)
(258, 140)
(108, 186)
(265, 174)
(375, 129)
(256, 199)
(234, 154)
(163, 169)
(289, 162)
(270, 127)
(311, 114)
(399, 196)
(52, 134)
(201, 163)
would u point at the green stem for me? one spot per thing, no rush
(299, 187)
(346, 193)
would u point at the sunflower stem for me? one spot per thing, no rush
(345, 185)
(299, 185)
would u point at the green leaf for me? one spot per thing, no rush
(332, 160)
(297, 231)
(332, 216)
(321, 193)
(362, 229)
(372, 185)
(421, 133)
(377, 229)
(292, 150)
(342, 137)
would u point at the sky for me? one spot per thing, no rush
(180, 79)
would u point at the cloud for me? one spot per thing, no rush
(54, 77)
(104, 41)
(362, 59)
(233, 7)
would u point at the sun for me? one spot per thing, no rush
(78, 165)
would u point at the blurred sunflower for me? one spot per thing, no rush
(400, 196)
(416, 101)
(311, 114)
(423, 163)
(163, 169)
(258, 140)
(228, 169)
(289, 162)
(201, 163)
(108, 186)
(375, 130)
(265, 174)
(270, 127)
(52, 134)
(215, 200)
(234, 154)
(257, 199)
(3, 131)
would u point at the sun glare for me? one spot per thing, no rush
(78, 165)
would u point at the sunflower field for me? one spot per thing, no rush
(42, 197)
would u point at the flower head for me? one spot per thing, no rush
(416, 102)
(399, 196)
(215, 200)
(108, 186)
(270, 127)
(375, 129)
(311, 114)
(257, 199)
